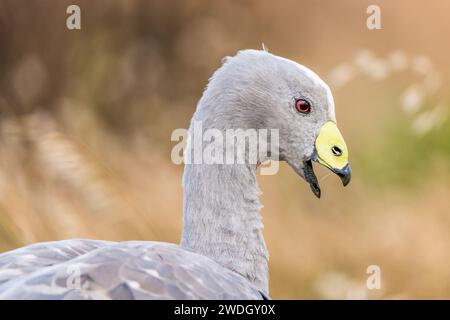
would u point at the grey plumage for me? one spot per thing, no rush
(222, 254)
(108, 270)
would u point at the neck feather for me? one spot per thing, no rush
(222, 218)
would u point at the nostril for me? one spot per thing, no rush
(336, 151)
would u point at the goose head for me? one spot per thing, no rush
(263, 90)
(307, 123)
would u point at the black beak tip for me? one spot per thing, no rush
(345, 174)
(311, 178)
(316, 190)
(346, 181)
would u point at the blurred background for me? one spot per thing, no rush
(86, 117)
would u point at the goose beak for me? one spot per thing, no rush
(311, 178)
(345, 174)
(331, 152)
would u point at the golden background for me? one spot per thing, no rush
(86, 118)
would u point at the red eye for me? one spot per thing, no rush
(302, 106)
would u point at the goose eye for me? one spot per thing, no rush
(302, 106)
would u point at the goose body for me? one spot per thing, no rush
(116, 270)
(222, 254)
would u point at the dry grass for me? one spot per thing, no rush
(52, 187)
(86, 117)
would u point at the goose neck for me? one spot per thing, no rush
(222, 218)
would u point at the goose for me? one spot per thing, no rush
(222, 254)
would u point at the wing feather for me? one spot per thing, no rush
(81, 269)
